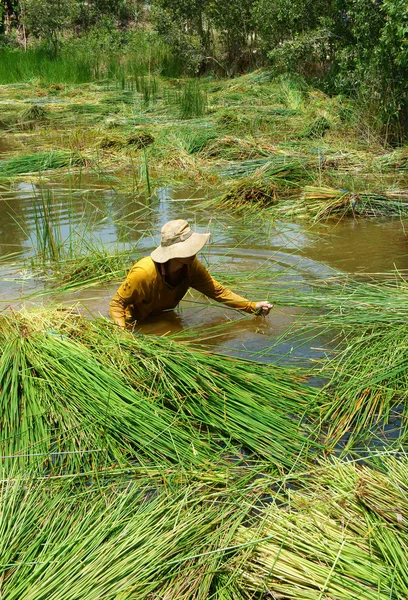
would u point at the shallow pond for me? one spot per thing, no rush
(87, 209)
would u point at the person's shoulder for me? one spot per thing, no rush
(145, 265)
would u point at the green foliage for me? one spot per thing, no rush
(280, 20)
(48, 18)
(184, 41)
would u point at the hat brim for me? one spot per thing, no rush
(185, 249)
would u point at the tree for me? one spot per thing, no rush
(9, 14)
(233, 20)
(48, 18)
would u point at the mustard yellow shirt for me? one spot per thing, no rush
(144, 291)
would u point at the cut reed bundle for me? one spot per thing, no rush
(368, 390)
(39, 161)
(322, 542)
(114, 542)
(60, 408)
(394, 161)
(265, 186)
(33, 116)
(317, 203)
(293, 168)
(368, 372)
(236, 148)
(129, 393)
(251, 194)
(136, 141)
(257, 406)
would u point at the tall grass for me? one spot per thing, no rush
(37, 64)
(88, 59)
(190, 100)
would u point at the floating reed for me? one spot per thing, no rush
(368, 388)
(367, 392)
(39, 161)
(317, 203)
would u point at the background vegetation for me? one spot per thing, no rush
(358, 48)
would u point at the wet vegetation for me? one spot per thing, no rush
(145, 466)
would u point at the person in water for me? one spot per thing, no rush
(158, 282)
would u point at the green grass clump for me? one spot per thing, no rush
(85, 392)
(317, 128)
(37, 162)
(339, 538)
(190, 100)
(33, 116)
(317, 203)
(196, 141)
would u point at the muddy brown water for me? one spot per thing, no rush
(298, 252)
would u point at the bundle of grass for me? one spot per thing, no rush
(317, 203)
(39, 161)
(118, 541)
(229, 119)
(317, 128)
(394, 161)
(366, 397)
(268, 184)
(250, 194)
(33, 116)
(140, 140)
(62, 409)
(260, 407)
(235, 148)
(328, 542)
(115, 378)
(294, 169)
(136, 141)
(112, 142)
(367, 394)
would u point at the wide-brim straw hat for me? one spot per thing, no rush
(178, 240)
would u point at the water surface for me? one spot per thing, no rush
(91, 209)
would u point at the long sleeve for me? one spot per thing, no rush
(132, 291)
(202, 281)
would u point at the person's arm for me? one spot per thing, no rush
(132, 291)
(202, 281)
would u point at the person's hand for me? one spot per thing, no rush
(263, 308)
